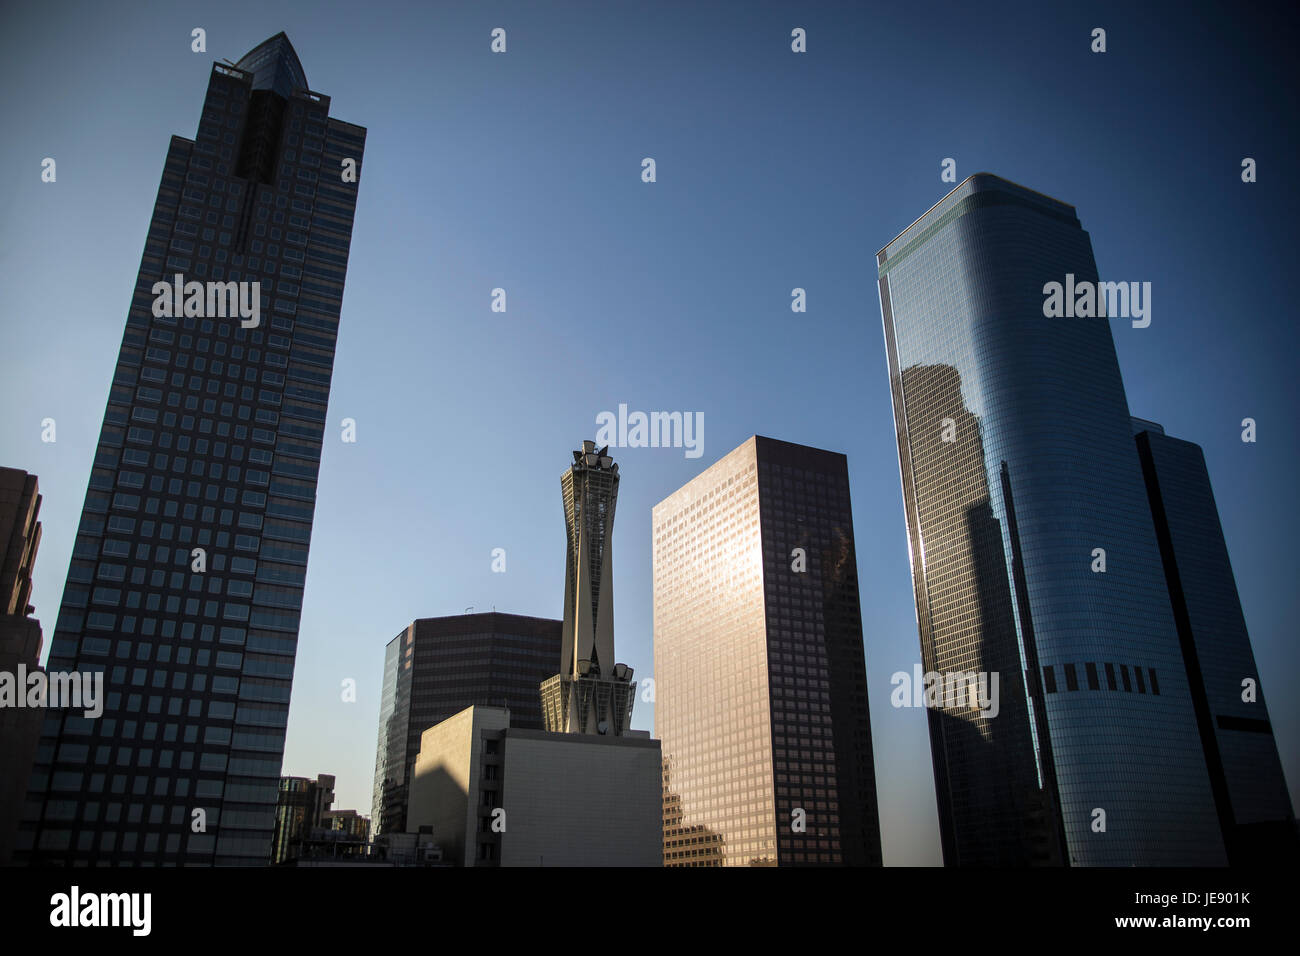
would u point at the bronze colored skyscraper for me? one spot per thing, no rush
(760, 674)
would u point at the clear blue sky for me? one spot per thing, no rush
(775, 170)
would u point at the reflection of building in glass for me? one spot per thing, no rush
(439, 666)
(761, 695)
(1250, 791)
(986, 766)
(592, 694)
(186, 580)
(686, 845)
(1004, 520)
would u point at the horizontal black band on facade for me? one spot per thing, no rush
(1139, 680)
(1250, 724)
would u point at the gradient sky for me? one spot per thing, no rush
(775, 170)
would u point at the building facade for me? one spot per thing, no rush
(489, 794)
(760, 672)
(349, 824)
(20, 645)
(1246, 777)
(439, 666)
(1033, 551)
(186, 579)
(300, 809)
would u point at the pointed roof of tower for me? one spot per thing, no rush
(275, 66)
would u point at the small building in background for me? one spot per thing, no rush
(299, 810)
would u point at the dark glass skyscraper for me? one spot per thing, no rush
(439, 666)
(760, 672)
(1018, 474)
(1240, 751)
(186, 579)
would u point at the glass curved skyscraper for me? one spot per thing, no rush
(1019, 472)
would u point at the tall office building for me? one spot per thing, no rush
(437, 667)
(592, 694)
(1250, 792)
(20, 646)
(186, 578)
(1020, 484)
(760, 673)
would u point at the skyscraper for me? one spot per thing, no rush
(435, 668)
(592, 694)
(1033, 551)
(1246, 776)
(760, 673)
(186, 580)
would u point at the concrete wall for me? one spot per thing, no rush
(444, 786)
(579, 800)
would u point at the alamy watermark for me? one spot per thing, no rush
(1098, 300)
(76, 690)
(77, 909)
(209, 300)
(951, 689)
(655, 430)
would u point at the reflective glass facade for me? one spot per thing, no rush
(211, 440)
(760, 674)
(439, 666)
(1017, 463)
(1240, 750)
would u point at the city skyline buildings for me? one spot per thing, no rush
(185, 585)
(769, 379)
(1033, 550)
(437, 667)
